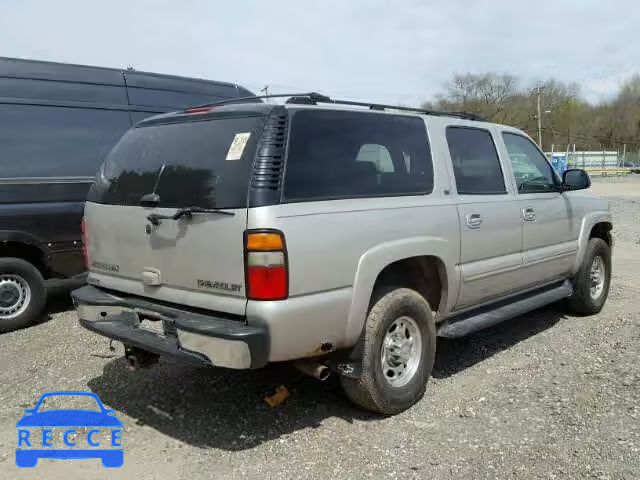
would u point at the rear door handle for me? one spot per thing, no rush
(529, 214)
(474, 220)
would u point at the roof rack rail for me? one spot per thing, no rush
(313, 98)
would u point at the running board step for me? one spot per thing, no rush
(473, 321)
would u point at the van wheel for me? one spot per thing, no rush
(397, 347)
(22, 293)
(591, 283)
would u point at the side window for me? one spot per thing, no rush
(476, 165)
(531, 169)
(378, 155)
(39, 141)
(350, 154)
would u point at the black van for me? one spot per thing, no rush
(57, 123)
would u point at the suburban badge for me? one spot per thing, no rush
(214, 285)
(105, 266)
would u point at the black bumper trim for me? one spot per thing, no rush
(123, 329)
(122, 332)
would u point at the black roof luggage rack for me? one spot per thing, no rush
(313, 98)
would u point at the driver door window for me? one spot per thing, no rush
(532, 171)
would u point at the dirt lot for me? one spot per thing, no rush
(546, 395)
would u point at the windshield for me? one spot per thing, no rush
(196, 163)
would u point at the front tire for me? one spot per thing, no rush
(397, 349)
(591, 283)
(22, 293)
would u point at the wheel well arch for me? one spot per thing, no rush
(25, 251)
(602, 230)
(425, 274)
(405, 261)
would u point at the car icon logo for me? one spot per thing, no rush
(104, 429)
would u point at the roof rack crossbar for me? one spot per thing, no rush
(315, 98)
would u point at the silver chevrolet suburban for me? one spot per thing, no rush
(340, 235)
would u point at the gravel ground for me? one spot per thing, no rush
(546, 395)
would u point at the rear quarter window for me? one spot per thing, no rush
(343, 154)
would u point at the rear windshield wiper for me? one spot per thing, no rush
(155, 218)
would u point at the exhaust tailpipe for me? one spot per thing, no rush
(138, 358)
(314, 369)
(133, 363)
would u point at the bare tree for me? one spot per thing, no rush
(486, 94)
(567, 117)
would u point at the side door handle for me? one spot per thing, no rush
(529, 214)
(473, 220)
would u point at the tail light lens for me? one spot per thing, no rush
(266, 266)
(85, 245)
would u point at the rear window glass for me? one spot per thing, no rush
(199, 163)
(342, 154)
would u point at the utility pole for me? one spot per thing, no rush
(265, 90)
(539, 119)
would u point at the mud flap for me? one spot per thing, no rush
(346, 367)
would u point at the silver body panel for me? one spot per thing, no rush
(336, 250)
(490, 255)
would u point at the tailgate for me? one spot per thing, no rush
(197, 261)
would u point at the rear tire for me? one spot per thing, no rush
(397, 349)
(22, 293)
(591, 283)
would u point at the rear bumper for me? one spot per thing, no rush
(194, 337)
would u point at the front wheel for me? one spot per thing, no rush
(397, 349)
(22, 293)
(591, 283)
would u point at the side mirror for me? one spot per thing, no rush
(575, 179)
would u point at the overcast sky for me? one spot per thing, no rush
(400, 51)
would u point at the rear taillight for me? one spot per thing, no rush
(266, 266)
(85, 245)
